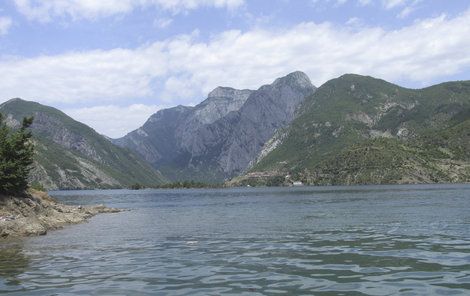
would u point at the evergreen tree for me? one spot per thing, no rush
(16, 156)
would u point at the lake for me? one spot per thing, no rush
(358, 240)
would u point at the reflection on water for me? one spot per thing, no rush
(13, 262)
(366, 240)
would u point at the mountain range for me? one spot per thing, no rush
(218, 138)
(361, 130)
(71, 155)
(351, 130)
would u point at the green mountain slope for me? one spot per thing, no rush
(70, 154)
(361, 130)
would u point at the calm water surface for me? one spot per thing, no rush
(362, 240)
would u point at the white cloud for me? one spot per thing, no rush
(335, 3)
(162, 22)
(5, 24)
(405, 12)
(183, 69)
(389, 4)
(355, 22)
(79, 76)
(409, 8)
(364, 2)
(113, 121)
(45, 10)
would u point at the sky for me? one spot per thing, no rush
(112, 63)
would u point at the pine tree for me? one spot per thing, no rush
(16, 156)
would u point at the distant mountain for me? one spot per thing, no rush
(70, 154)
(361, 130)
(218, 138)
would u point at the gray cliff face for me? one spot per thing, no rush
(218, 138)
(160, 140)
(219, 103)
(272, 108)
(157, 139)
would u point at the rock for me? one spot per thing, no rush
(38, 213)
(221, 136)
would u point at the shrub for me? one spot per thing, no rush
(38, 186)
(136, 186)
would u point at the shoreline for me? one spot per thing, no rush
(36, 213)
(269, 186)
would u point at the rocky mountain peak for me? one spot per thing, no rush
(295, 78)
(219, 137)
(228, 92)
(219, 103)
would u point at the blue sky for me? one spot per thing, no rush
(112, 63)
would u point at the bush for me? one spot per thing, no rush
(38, 186)
(275, 181)
(16, 156)
(136, 186)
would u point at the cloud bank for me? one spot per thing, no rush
(183, 69)
(111, 120)
(46, 10)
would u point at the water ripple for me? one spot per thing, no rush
(253, 245)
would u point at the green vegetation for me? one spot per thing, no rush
(71, 155)
(270, 181)
(360, 130)
(136, 186)
(176, 185)
(16, 156)
(385, 161)
(189, 184)
(37, 186)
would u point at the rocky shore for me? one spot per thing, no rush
(37, 212)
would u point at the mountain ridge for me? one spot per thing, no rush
(348, 113)
(69, 154)
(184, 147)
(353, 129)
